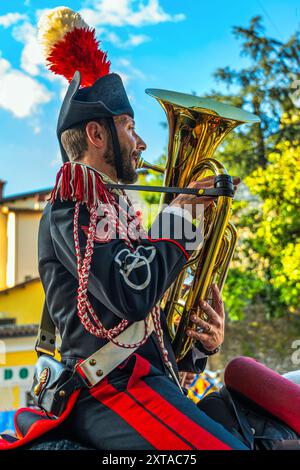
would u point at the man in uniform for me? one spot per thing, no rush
(101, 280)
(139, 405)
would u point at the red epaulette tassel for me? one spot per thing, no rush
(79, 183)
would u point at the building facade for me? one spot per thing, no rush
(21, 298)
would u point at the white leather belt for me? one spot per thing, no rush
(105, 360)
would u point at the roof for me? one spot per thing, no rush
(15, 197)
(19, 286)
(14, 331)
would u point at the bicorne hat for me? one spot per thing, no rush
(71, 50)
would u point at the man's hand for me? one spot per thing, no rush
(190, 202)
(211, 326)
(186, 378)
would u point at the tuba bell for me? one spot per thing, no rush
(197, 126)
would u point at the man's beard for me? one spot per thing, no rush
(130, 174)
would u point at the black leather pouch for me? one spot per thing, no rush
(53, 383)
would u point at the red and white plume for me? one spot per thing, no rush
(69, 44)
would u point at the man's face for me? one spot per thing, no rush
(131, 146)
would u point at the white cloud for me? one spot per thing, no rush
(127, 13)
(125, 77)
(35, 123)
(126, 71)
(57, 161)
(124, 62)
(132, 41)
(11, 18)
(19, 93)
(31, 58)
(136, 39)
(64, 85)
(41, 11)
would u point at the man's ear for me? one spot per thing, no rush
(96, 134)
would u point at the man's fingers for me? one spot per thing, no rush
(217, 301)
(236, 180)
(207, 341)
(209, 182)
(203, 180)
(199, 322)
(189, 378)
(213, 319)
(205, 200)
(197, 336)
(203, 183)
(215, 313)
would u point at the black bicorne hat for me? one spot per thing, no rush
(72, 50)
(104, 99)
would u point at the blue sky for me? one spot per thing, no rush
(170, 44)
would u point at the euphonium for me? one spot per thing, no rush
(197, 127)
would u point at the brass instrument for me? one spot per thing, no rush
(197, 127)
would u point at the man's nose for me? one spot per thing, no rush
(141, 145)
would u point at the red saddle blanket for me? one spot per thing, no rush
(39, 424)
(270, 390)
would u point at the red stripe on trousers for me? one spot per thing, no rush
(182, 424)
(158, 435)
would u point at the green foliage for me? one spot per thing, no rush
(152, 178)
(241, 288)
(266, 265)
(265, 87)
(278, 233)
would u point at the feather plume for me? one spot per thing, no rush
(55, 24)
(69, 44)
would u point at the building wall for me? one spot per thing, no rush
(3, 249)
(16, 373)
(21, 248)
(20, 298)
(19, 222)
(23, 303)
(17, 355)
(26, 203)
(26, 246)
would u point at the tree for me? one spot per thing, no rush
(267, 260)
(153, 178)
(266, 87)
(266, 266)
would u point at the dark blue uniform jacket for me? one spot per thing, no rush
(122, 284)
